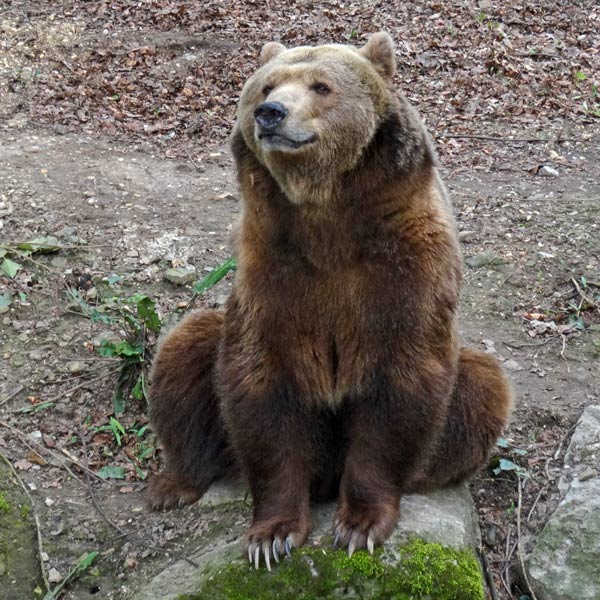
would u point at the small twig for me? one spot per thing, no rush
(519, 540)
(562, 441)
(489, 578)
(507, 553)
(75, 377)
(66, 64)
(532, 345)
(27, 441)
(81, 385)
(562, 350)
(15, 393)
(584, 296)
(537, 498)
(35, 519)
(189, 155)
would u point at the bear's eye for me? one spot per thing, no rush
(320, 88)
(267, 90)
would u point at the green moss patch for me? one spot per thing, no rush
(422, 571)
(4, 505)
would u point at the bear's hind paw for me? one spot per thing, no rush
(169, 490)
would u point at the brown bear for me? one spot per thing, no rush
(335, 368)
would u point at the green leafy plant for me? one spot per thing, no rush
(500, 464)
(23, 251)
(214, 276)
(136, 322)
(134, 317)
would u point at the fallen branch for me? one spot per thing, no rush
(489, 578)
(15, 393)
(519, 541)
(81, 385)
(27, 441)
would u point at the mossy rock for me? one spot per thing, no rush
(423, 571)
(19, 563)
(429, 556)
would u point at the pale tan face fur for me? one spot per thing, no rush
(334, 96)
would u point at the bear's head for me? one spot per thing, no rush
(310, 112)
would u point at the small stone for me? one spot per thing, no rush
(587, 474)
(133, 253)
(66, 231)
(92, 293)
(221, 300)
(490, 346)
(180, 276)
(58, 262)
(76, 367)
(130, 562)
(54, 576)
(513, 365)
(466, 236)
(48, 502)
(484, 259)
(547, 171)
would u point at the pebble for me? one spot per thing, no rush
(587, 474)
(484, 259)
(466, 236)
(180, 276)
(54, 576)
(76, 367)
(221, 300)
(513, 365)
(66, 231)
(547, 171)
(35, 354)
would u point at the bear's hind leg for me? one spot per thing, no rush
(479, 410)
(185, 412)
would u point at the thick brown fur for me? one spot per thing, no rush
(335, 369)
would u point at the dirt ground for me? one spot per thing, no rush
(132, 202)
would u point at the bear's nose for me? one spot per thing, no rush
(269, 114)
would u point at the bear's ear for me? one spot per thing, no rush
(270, 50)
(380, 51)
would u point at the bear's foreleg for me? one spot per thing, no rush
(273, 434)
(185, 412)
(478, 411)
(389, 430)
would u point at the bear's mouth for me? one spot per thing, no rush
(282, 141)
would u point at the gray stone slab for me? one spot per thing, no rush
(565, 562)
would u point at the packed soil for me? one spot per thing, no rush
(113, 141)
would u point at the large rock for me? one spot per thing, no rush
(430, 555)
(565, 563)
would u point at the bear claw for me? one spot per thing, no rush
(268, 549)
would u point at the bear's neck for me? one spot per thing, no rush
(325, 219)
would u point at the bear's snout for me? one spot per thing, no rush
(270, 114)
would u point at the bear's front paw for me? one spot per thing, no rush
(274, 537)
(359, 527)
(168, 490)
